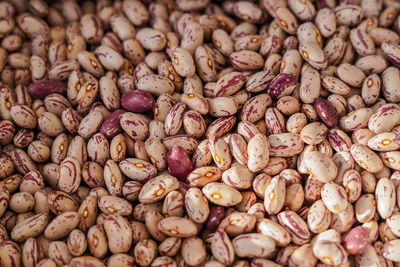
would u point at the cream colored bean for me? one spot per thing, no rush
(390, 79)
(119, 233)
(254, 109)
(362, 43)
(221, 194)
(138, 170)
(145, 251)
(204, 175)
(350, 74)
(239, 177)
(23, 116)
(310, 85)
(183, 62)
(366, 158)
(173, 204)
(253, 245)
(109, 58)
(69, 175)
(334, 197)
(196, 205)
(287, 21)
(385, 197)
(384, 119)
(187, 142)
(390, 159)
(221, 247)
(313, 55)
(222, 41)
(285, 144)
(156, 188)
(152, 218)
(275, 231)
(30, 227)
(22, 162)
(170, 246)
(177, 227)
(386, 141)
(275, 193)
(329, 252)
(258, 153)
(314, 133)
(129, 122)
(220, 152)
(222, 126)
(97, 241)
(77, 242)
(246, 60)
(77, 149)
(326, 21)
(334, 85)
(296, 226)
(320, 166)
(61, 225)
(372, 64)
(193, 251)
(155, 84)
(202, 155)
(365, 208)
(355, 120)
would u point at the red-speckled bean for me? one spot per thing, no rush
(283, 84)
(313, 55)
(384, 119)
(221, 194)
(320, 166)
(119, 233)
(366, 158)
(285, 144)
(296, 226)
(246, 60)
(253, 245)
(385, 197)
(329, 252)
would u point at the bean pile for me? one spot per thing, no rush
(198, 133)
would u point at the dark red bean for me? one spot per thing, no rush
(217, 213)
(326, 112)
(179, 162)
(44, 88)
(283, 84)
(111, 126)
(137, 101)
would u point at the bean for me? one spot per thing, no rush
(156, 188)
(119, 233)
(384, 195)
(283, 84)
(109, 58)
(30, 227)
(221, 194)
(356, 241)
(177, 227)
(127, 126)
(137, 101)
(296, 226)
(253, 245)
(313, 55)
(366, 158)
(179, 162)
(329, 252)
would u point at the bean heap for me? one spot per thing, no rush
(198, 133)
